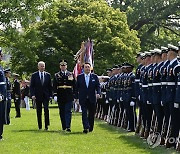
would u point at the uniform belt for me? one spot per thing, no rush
(150, 84)
(178, 83)
(111, 88)
(145, 86)
(115, 88)
(171, 83)
(1, 83)
(9, 90)
(64, 87)
(137, 80)
(163, 83)
(156, 84)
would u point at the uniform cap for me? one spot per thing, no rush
(7, 70)
(172, 48)
(164, 49)
(157, 51)
(63, 62)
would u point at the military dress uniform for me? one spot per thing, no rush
(16, 93)
(164, 103)
(129, 99)
(2, 100)
(137, 95)
(157, 96)
(171, 91)
(8, 99)
(64, 90)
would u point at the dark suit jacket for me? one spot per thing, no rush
(83, 92)
(41, 92)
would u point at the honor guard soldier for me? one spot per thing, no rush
(8, 97)
(112, 96)
(107, 99)
(119, 97)
(157, 90)
(171, 91)
(16, 93)
(164, 104)
(177, 100)
(147, 113)
(116, 100)
(140, 61)
(2, 97)
(129, 97)
(64, 90)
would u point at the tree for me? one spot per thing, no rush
(65, 24)
(157, 21)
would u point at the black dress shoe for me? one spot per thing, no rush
(18, 116)
(68, 130)
(85, 131)
(46, 128)
(131, 130)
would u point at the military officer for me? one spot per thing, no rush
(8, 97)
(140, 61)
(164, 104)
(171, 91)
(177, 100)
(16, 92)
(129, 97)
(2, 97)
(157, 90)
(64, 90)
(107, 98)
(147, 110)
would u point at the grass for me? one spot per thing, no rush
(23, 136)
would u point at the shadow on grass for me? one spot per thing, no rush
(61, 132)
(131, 140)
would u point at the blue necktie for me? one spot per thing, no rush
(87, 81)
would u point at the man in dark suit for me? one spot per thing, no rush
(16, 94)
(88, 91)
(64, 87)
(41, 93)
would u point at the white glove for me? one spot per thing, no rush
(107, 101)
(1, 98)
(161, 103)
(121, 99)
(55, 98)
(132, 103)
(176, 105)
(148, 102)
(139, 97)
(117, 100)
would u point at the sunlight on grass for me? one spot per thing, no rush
(23, 136)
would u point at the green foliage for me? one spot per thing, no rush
(65, 24)
(157, 21)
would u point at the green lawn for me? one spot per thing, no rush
(23, 136)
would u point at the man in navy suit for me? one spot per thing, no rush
(41, 93)
(88, 89)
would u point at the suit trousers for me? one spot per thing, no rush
(88, 111)
(7, 111)
(17, 103)
(45, 104)
(65, 114)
